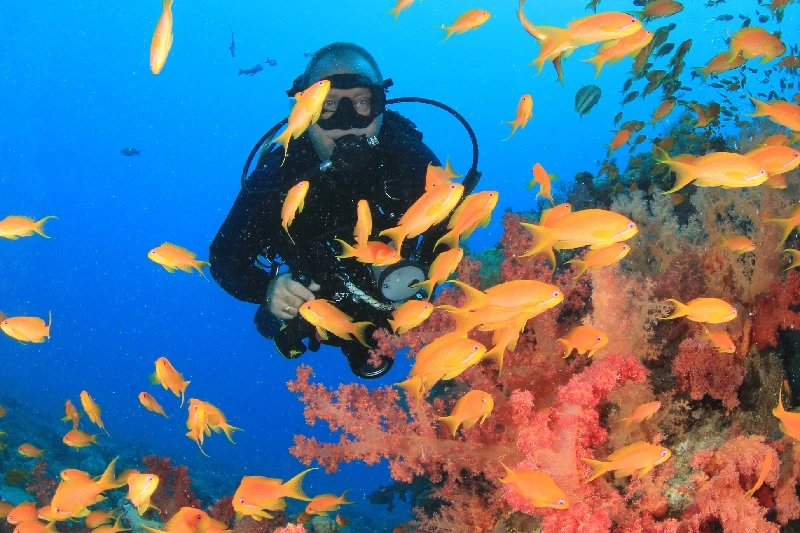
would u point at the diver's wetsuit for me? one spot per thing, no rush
(392, 180)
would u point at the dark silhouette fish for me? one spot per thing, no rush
(586, 98)
(630, 97)
(129, 151)
(271, 62)
(232, 47)
(251, 71)
(724, 18)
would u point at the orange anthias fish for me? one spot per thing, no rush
(374, 253)
(779, 112)
(641, 456)
(786, 225)
(536, 486)
(410, 315)
(776, 182)
(430, 209)
(790, 422)
(663, 110)
(600, 258)
(706, 114)
(14, 227)
(775, 159)
(34, 526)
(596, 228)
(524, 113)
(173, 257)
(554, 214)
(610, 52)
(162, 38)
(72, 498)
(196, 423)
(752, 42)
(363, 229)
(766, 466)
(24, 512)
(151, 404)
(521, 294)
(140, 488)
(293, 204)
(71, 474)
(777, 140)
(584, 339)
(76, 438)
(98, 518)
(475, 406)
(660, 8)
(720, 64)
(620, 139)
(720, 339)
(643, 412)
(217, 422)
(739, 244)
(256, 494)
(441, 269)
(718, 169)
(326, 503)
(306, 111)
(400, 6)
(323, 315)
(186, 520)
(541, 177)
(602, 27)
(474, 212)
(436, 176)
(29, 450)
(169, 378)
(92, 410)
(705, 310)
(470, 20)
(72, 414)
(27, 328)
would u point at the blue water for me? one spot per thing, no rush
(75, 88)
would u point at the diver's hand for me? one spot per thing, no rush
(285, 296)
(351, 153)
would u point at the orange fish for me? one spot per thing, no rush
(752, 42)
(719, 64)
(98, 518)
(430, 209)
(720, 339)
(76, 438)
(777, 140)
(293, 204)
(505, 338)
(27, 328)
(541, 177)
(584, 339)
(151, 404)
(29, 450)
(5, 508)
(34, 526)
(643, 412)
(72, 498)
(660, 8)
(363, 229)
(775, 159)
(470, 20)
(123, 476)
(600, 258)
(475, 406)
(341, 521)
(790, 422)
(739, 244)
(551, 216)
(374, 253)
(217, 422)
(172, 257)
(115, 528)
(440, 270)
(641, 456)
(663, 110)
(197, 423)
(306, 111)
(92, 410)
(140, 488)
(524, 113)
(786, 225)
(162, 38)
(323, 315)
(536, 486)
(72, 414)
(71, 474)
(256, 494)
(14, 227)
(610, 52)
(186, 520)
(596, 228)
(520, 294)
(474, 212)
(400, 6)
(24, 512)
(436, 176)
(718, 169)
(779, 112)
(304, 518)
(705, 310)
(325, 503)
(169, 378)
(410, 315)
(599, 27)
(3, 410)
(776, 182)
(766, 466)
(620, 139)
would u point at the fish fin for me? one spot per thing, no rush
(567, 347)
(393, 325)
(680, 310)
(413, 387)
(452, 422)
(580, 267)
(343, 500)
(294, 487)
(198, 265)
(153, 379)
(108, 480)
(627, 421)
(450, 240)
(762, 109)
(360, 331)
(514, 126)
(786, 229)
(322, 333)
(623, 473)
(169, 269)
(428, 285)
(644, 471)
(598, 64)
(544, 239)
(683, 172)
(228, 429)
(496, 354)
(598, 468)
(39, 226)
(396, 234)
(347, 250)
(473, 297)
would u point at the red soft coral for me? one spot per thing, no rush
(174, 489)
(702, 370)
(776, 310)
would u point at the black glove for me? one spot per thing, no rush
(289, 339)
(351, 153)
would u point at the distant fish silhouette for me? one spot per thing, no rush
(129, 151)
(232, 47)
(586, 98)
(251, 71)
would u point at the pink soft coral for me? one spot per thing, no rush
(702, 370)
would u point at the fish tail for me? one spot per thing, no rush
(360, 331)
(473, 297)
(108, 480)
(394, 326)
(183, 391)
(598, 468)
(347, 250)
(166, 5)
(464, 323)
(342, 500)
(580, 267)
(413, 387)
(449, 29)
(428, 286)
(702, 72)
(626, 420)
(450, 240)
(680, 309)
(762, 109)
(514, 126)
(451, 422)
(496, 354)
(544, 239)
(786, 229)
(598, 63)
(567, 347)
(198, 265)
(684, 173)
(39, 226)
(397, 236)
(228, 429)
(283, 139)
(49, 322)
(511, 476)
(294, 487)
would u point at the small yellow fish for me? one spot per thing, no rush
(706, 310)
(468, 21)
(537, 486)
(475, 406)
(641, 456)
(14, 227)
(643, 412)
(173, 257)
(720, 339)
(584, 339)
(293, 204)
(600, 258)
(27, 328)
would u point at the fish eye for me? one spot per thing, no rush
(556, 293)
(663, 453)
(56, 509)
(149, 478)
(624, 246)
(734, 311)
(560, 502)
(241, 500)
(599, 338)
(631, 225)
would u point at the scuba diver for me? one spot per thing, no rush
(357, 150)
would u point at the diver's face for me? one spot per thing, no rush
(323, 140)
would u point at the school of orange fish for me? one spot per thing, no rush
(503, 309)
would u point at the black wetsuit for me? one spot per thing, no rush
(391, 181)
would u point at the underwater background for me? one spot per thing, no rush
(76, 88)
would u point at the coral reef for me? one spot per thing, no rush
(175, 488)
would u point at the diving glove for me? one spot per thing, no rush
(289, 339)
